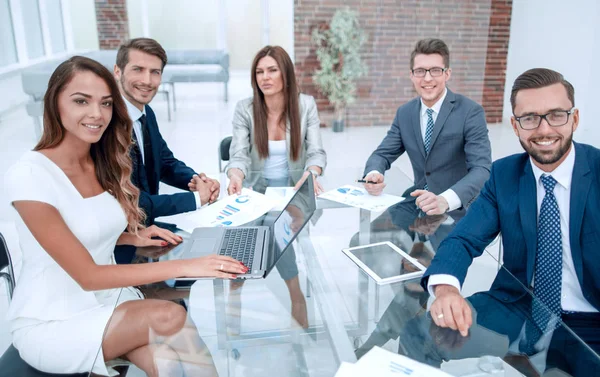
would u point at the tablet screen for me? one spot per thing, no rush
(384, 261)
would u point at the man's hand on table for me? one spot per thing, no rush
(451, 310)
(208, 188)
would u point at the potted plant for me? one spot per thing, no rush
(338, 50)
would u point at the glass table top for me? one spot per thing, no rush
(318, 309)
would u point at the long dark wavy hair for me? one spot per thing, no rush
(111, 153)
(291, 110)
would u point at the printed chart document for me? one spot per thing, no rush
(233, 210)
(381, 363)
(359, 197)
(282, 195)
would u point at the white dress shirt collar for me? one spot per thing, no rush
(436, 106)
(134, 112)
(563, 172)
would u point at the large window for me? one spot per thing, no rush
(30, 9)
(8, 48)
(31, 30)
(55, 25)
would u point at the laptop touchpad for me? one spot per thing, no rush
(200, 247)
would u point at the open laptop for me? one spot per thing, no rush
(258, 247)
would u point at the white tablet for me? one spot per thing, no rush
(385, 262)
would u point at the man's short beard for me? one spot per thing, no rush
(128, 93)
(545, 159)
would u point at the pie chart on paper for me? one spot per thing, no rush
(242, 199)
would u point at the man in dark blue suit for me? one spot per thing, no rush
(546, 204)
(138, 71)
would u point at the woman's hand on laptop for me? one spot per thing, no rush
(150, 236)
(217, 266)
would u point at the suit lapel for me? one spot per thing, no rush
(528, 215)
(445, 110)
(416, 126)
(580, 186)
(154, 142)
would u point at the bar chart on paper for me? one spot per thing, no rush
(233, 210)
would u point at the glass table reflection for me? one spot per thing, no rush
(318, 309)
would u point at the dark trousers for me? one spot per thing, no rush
(568, 354)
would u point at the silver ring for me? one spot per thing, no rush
(440, 316)
(221, 267)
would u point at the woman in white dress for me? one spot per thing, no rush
(74, 199)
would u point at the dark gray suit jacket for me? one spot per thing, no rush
(460, 156)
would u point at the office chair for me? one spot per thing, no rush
(224, 152)
(11, 363)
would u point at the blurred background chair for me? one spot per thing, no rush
(224, 153)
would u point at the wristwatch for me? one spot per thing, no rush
(314, 172)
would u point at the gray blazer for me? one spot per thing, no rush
(244, 156)
(460, 157)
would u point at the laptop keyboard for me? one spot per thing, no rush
(240, 244)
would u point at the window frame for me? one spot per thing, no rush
(18, 29)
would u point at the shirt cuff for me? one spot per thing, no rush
(198, 200)
(452, 199)
(441, 279)
(374, 171)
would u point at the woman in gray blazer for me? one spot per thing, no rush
(275, 132)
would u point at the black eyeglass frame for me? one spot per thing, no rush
(544, 116)
(429, 70)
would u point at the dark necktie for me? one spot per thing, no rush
(428, 134)
(148, 160)
(548, 270)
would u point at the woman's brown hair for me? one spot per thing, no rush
(291, 110)
(111, 153)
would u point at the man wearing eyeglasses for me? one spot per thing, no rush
(444, 133)
(546, 205)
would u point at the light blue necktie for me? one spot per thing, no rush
(548, 270)
(428, 133)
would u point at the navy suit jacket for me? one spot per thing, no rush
(508, 204)
(167, 169)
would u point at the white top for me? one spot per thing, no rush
(276, 165)
(571, 294)
(44, 290)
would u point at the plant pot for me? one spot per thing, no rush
(338, 125)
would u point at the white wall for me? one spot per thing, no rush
(565, 37)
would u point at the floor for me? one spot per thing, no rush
(201, 120)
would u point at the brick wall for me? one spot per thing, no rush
(495, 61)
(393, 27)
(112, 22)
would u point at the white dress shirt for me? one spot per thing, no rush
(571, 294)
(135, 114)
(450, 196)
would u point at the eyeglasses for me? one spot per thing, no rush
(434, 72)
(554, 118)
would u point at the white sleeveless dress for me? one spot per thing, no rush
(56, 325)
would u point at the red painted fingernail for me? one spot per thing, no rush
(164, 243)
(234, 276)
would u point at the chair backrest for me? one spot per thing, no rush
(6, 262)
(224, 151)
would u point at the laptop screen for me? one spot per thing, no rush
(290, 222)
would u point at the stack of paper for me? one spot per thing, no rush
(381, 363)
(359, 197)
(233, 210)
(282, 195)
